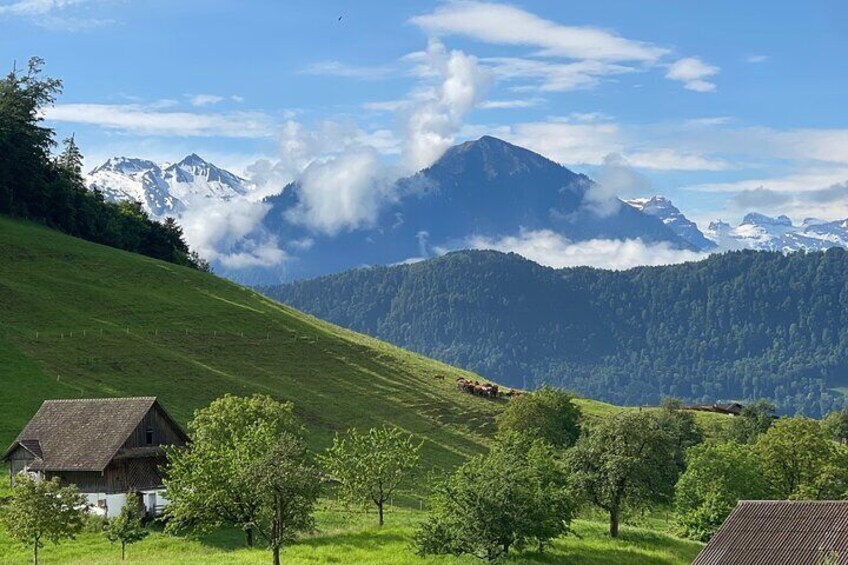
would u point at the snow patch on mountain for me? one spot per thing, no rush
(165, 189)
(662, 208)
(766, 233)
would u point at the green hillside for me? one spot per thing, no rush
(84, 320)
(740, 325)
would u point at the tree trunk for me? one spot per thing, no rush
(276, 551)
(380, 513)
(613, 523)
(123, 551)
(249, 537)
(35, 552)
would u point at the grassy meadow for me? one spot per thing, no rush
(353, 538)
(84, 320)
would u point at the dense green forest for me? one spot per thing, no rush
(741, 325)
(49, 189)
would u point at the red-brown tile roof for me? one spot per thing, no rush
(771, 532)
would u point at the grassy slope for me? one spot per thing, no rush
(83, 320)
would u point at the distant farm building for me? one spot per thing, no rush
(732, 408)
(768, 532)
(107, 447)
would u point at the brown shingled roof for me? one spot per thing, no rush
(768, 532)
(80, 435)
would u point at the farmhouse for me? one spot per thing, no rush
(765, 532)
(108, 447)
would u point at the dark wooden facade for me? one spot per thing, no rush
(135, 465)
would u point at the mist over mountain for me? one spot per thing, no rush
(480, 189)
(485, 193)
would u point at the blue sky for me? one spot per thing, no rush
(722, 106)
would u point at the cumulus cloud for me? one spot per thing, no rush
(342, 193)
(438, 111)
(153, 120)
(549, 248)
(693, 73)
(230, 232)
(509, 25)
(616, 178)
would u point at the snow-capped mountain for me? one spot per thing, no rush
(165, 189)
(662, 208)
(765, 233)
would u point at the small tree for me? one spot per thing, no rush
(800, 461)
(289, 487)
(492, 504)
(836, 425)
(626, 461)
(40, 511)
(210, 483)
(756, 418)
(548, 414)
(682, 429)
(717, 477)
(126, 528)
(370, 467)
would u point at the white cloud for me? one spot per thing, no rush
(587, 139)
(693, 72)
(341, 193)
(204, 99)
(507, 104)
(150, 120)
(801, 181)
(553, 77)
(615, 179)
(339, 69)
(663, 159)
(756, 59)
(437, 113)
(55, 14)
(509, 25)
(565, 142)
(230, 233)
(552, 249)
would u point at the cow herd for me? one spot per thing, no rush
(486, 390)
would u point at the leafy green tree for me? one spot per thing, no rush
(627, 461)
(517, 494)
(39, 511)
(756, 418)
(126, 528)
(548, 414)
(370, 467)
(211, 482)
(717, 477)
(682, 429)
(288, 486)
(800, 461)
(835, 425)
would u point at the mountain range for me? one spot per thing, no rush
(166, 189)
(481, 190)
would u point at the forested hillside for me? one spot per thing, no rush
(741, 325)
